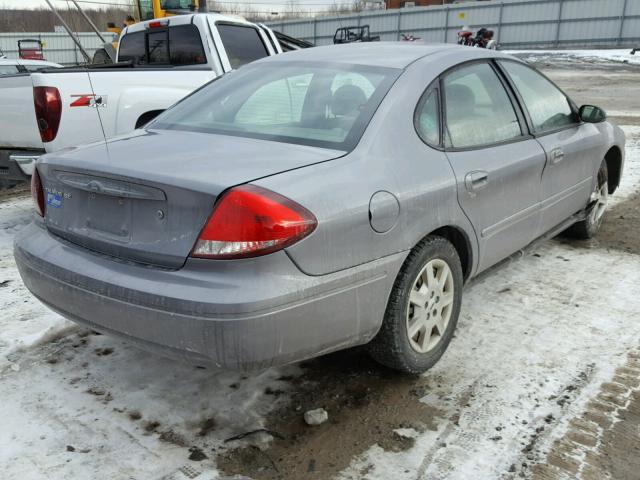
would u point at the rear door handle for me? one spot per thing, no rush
(557, 155)
(477, 180)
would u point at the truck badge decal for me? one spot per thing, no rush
(89, 100)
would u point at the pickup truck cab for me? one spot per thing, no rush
(158, 63)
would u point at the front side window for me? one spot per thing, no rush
(146, 10)
(309, 104)
(478, 110)
(243, 44)
(427, 117)
(176, 4)
(548, 107)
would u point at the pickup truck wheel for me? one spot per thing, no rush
(423, 308)
(596, 208)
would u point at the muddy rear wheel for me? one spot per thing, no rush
(423, 308)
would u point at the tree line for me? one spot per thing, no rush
(43, 19)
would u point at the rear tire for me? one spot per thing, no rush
(587, 228)
(423, 308)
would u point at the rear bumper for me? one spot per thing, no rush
(17, 165)
(241, 315)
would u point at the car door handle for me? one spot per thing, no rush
(557, 155)
(475, 181)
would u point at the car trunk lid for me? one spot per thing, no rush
(146, 198)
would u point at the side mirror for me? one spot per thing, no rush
(592, 114)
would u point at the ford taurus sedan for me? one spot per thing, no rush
(317, 200)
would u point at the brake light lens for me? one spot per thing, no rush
(37, 192)
(250, 221)
(157, 24)
(48, 106)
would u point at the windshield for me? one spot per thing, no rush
(326, 105)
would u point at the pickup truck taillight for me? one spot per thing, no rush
(37, 192)
(249, 221)
(48, 106)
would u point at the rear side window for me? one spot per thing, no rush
(243, 44)
(478, 110)
(548, 107)
(427, 117)
(179, 46)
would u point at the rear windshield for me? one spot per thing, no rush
(180, 46)
(325, 105)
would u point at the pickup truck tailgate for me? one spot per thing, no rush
(18, 127)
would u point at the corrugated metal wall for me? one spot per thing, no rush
(58, 47)
(517, 23)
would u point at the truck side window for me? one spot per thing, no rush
(242, 43)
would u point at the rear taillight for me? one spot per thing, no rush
(48, 111)
(37, 192)
(249, 221)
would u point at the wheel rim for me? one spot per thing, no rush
(430, 305)
(599, 200)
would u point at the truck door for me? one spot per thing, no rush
(239, 43)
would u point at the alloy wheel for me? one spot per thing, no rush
(430, 305)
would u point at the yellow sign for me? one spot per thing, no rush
(461, 15)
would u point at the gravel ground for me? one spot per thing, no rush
(541, 381)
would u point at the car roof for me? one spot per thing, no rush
(378, 54)
(22, 61)
(187, 19)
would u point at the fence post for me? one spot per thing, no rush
(315, 22)
(620, 32)
(398, 24)
(500, 19)
(446, 24)
(559, 23)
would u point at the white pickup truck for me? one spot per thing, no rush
(158, 63)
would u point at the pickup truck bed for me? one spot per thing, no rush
(160, 62)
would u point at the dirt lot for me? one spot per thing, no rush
(541, 381)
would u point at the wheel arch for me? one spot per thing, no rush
(147, 117)
(461, 242)
(613, 157)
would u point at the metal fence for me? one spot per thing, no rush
(516, 23)
(58, 47)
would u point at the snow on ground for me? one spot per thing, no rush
(529, 334)
(24, 322)
(539, 329)
(592, 56)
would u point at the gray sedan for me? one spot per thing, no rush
(317, 200)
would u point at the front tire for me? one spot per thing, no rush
(423, 308)
(587, 228)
